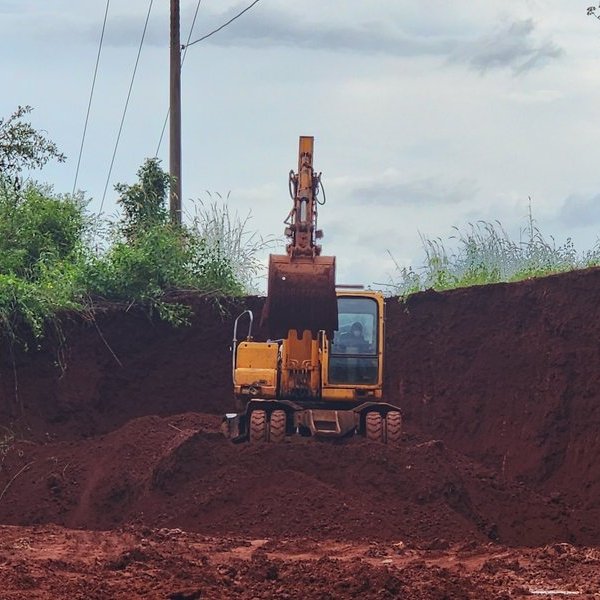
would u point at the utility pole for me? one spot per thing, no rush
(175, 117)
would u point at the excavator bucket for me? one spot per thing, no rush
(301, 296)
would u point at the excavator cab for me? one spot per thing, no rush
(354, 349)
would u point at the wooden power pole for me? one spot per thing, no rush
(175, 116)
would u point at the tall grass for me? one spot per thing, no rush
(229, 235)
(483, 253)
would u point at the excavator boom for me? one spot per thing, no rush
(301, 288)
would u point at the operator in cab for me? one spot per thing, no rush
(354, 341)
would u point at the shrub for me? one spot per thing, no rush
(41, 255)
(38, 228)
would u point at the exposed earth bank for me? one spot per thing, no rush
(115, 433)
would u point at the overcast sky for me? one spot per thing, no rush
(425, 114)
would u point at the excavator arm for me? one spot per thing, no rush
(301, 287)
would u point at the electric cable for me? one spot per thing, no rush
(137, 60)
(224, 25)
(87, 116)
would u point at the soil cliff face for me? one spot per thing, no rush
(508, 374)
(122, 366)
(499, 385)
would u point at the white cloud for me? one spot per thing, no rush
(409, 135)
(581, 211)
(391, 188)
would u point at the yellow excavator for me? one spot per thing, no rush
(320, 372)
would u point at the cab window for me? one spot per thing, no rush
(353, 350)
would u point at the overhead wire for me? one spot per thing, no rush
(87, 116)
(164, 127)
(137, 60)
(185, 46)
(222, 26)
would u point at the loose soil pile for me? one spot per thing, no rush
(180, 472)
(500, 388)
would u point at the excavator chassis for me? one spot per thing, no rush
(275, 420)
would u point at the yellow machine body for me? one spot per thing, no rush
(324, 385)
(257, 369)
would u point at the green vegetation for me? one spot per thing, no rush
(484, 253)
(148, 258)
(41, 250)
(23, 148)
(56, 257)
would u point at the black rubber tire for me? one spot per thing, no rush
(393, 426)
(257, 431)
(277, 426)
(374, 427)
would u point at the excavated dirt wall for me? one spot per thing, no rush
(499, 386)
(121, 366)
(509, 374)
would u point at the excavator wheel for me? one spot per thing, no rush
(393, 423)
(258, 426)
(374, 427)
(277, 426)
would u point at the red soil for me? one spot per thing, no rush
(50, 562)
(500, 387)
(180, 472)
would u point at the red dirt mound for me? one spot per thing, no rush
(180, 472)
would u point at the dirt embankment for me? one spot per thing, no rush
(508, 374)
(120, 367)
(499, 385)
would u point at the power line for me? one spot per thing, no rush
(87, 116)
(164, 127)
(137, 60)
(222, 26)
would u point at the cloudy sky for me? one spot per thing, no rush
(426, 115)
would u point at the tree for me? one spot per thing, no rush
(144, 202)
(23, 147)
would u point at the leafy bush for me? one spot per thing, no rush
(52, 257)
(161, 259)
(484, 253)
(40, 256)
(50, 260)
(148, 257)
(38, 228)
